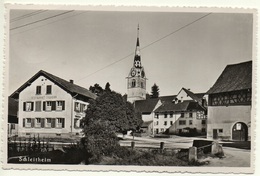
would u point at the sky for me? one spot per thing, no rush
(91, 47)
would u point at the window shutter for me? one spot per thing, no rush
(44, 105)
(63, 105)
(23, 122)
(53, 105)
(42, 122)
(53, 123)
(32, 122)
(63, 123)
(81, 107)
(75, 105)
(24, 106)
(32, 106)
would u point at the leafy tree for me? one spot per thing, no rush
(107, 87)
(96, 89)
(155, 91)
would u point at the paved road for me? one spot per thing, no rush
(233, 157)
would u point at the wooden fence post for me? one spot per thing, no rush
(161, 147)
(132, 144)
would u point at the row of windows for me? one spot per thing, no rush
(51, 106)
(171, 115)
(181, 122)
(44, 106)
(39, 90)
(44, 122)
(134, 84)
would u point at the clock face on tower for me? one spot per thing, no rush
(133, 73)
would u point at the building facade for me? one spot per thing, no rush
(229, 110)
(50, 106)
(185, 114)
(136, 80)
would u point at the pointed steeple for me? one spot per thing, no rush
(137, 58)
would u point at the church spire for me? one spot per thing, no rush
(137, 58)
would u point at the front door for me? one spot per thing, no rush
(240, 132)
(215, 134)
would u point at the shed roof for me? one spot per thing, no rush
(234, 77)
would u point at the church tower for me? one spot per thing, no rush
(136, 80)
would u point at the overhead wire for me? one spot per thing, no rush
(146, 46)
(44, 19)
(49, 23)
(27, 15)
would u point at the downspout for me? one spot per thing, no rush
(72, 109)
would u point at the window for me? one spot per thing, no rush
(171, 115)
(162, 129)
(142, 85)
(203, 130)
(60, 123)
(37, 122)
(12, 126)
(165, 115)
(38, 90)
(27, 123)
(48, 105)
(82, 107)
(190, 122)
(60, 105)
(77, 107)
(203, 122)
(133, 83)
(156, 116)
(157, 123)
(28, 106)
(38, 105)
(165, 122)
(190, 114)
(220, 130)
(182, 114)
(171, 122)
(76, 123)
(48, 89)
(48, 122)
(182, 122)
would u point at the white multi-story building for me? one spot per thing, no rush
(50, 106)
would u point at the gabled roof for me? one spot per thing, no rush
(234, 77)
(197, 97)
(66, 85)
(170, 106)
(146, 106)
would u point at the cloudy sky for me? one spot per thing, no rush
(91, 47)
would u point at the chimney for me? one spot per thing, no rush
(71, 81)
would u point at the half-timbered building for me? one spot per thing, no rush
(229, 109)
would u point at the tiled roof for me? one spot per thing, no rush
(12, 110)
(12, 107)
(147, 123)
(146, 106)
(197, 97)
(66, 85)
(234, 77)
(170, 106)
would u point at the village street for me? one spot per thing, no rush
(233, 157)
